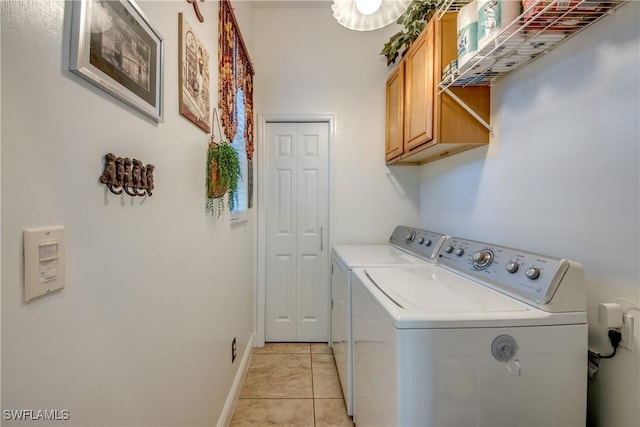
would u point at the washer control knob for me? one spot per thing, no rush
(511, 267)
(459, 252)
(482, 259)
(411, 237)
(532, 273)
(421, 241)
(427, 242)
(449, 249)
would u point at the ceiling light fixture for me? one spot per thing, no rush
(366, 15)
(368, 7)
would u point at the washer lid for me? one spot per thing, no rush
(353, 256)
(423, 297)
(438, 291)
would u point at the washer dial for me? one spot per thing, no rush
(482, 259)
(532, 273)
(511, 266)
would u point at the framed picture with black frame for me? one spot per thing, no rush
(115, 47)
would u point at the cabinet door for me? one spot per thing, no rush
(394, 138)
(419, 90)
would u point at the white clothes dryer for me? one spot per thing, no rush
(407, 246)
(490, 337)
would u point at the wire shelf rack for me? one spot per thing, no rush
(542, 25)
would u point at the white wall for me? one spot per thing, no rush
(0, 218)
(561, 177)
(307, 64)
(156, 288)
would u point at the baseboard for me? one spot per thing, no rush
(234, 392)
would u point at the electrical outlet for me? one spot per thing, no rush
(233, 350)
(627, 330)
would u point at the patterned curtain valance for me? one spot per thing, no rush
(236, 72)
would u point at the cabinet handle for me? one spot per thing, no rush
(321, 239)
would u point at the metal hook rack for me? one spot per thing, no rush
(122, 174)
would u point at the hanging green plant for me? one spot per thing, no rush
(223, 175)
(413, 19)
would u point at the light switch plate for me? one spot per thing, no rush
(44, 261)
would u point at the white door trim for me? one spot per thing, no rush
(261, 267)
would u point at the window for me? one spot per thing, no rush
(240, 145)
(235, 81)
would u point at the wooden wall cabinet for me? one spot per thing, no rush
(422, 125)
(395, 114)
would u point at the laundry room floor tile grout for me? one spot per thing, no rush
(291, 384)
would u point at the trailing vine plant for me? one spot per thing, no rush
(413, 20)
(223, 175)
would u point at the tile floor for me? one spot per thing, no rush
(291, 384)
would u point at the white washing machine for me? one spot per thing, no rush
(490, 337)
(407, 246)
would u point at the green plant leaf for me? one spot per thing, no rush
(413, 20)
(229, 173)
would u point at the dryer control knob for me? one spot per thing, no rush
(482, 259)
(421, 241)
(411, 237)
(459, 252)
(532, 273)
(427, 242)
(449, 249)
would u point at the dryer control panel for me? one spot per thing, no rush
(422, 243)
(527, 276)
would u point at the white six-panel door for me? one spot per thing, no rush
(297, 197)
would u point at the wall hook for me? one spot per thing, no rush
(196, 9)
(128, 175)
